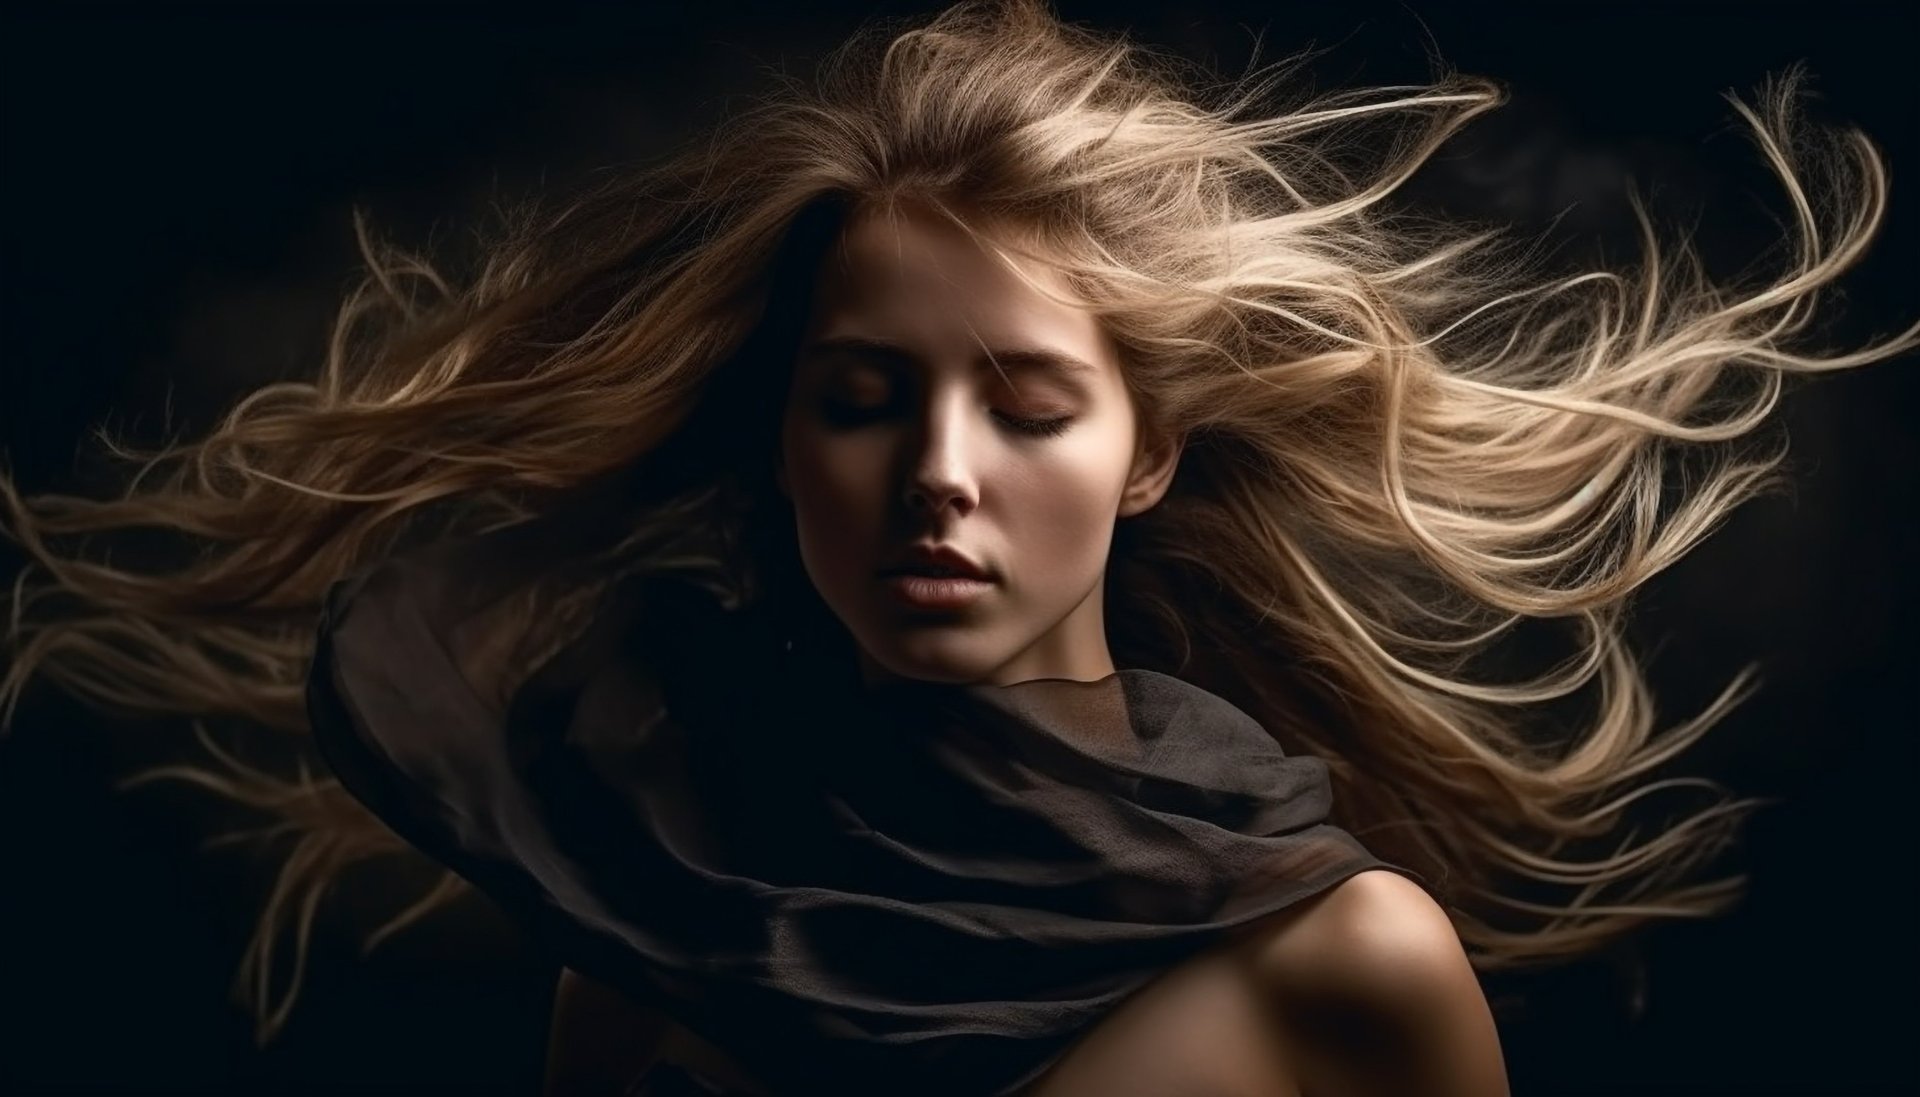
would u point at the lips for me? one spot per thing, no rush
(936, 561)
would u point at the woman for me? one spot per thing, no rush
(1310, 460)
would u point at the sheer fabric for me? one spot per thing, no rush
(909, 888)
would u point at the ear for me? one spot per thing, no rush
(1152, 474)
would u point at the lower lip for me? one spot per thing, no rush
(926, 592)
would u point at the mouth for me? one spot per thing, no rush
(934, 571)
(926, 590)
(930, 576)
(935, 561)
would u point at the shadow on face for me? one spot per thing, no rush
(942, 398)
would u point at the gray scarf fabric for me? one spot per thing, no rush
(906, 888)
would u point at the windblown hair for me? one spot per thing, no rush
(1403, 441)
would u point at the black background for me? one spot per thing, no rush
(178, 180)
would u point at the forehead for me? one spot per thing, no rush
(909, 275)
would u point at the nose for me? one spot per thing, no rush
(941, 470)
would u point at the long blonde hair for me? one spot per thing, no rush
(1403, 442)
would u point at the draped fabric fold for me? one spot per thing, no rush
(910, 887)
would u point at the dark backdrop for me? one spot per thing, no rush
(176, 230)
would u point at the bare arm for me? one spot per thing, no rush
(600, 1040)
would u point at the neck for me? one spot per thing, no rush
(1092, 666)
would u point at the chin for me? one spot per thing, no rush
(929, 658)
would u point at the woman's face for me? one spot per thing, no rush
(899, 432)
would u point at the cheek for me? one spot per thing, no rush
(1061, 518)
(832, 482)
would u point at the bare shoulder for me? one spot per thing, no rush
(1375, 995)
(1376, 929)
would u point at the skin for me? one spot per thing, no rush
(1363, 991)
(926, 441)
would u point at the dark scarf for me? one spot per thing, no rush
(909, 888)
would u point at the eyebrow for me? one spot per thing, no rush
(1040, 358)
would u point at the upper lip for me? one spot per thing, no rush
(925, 555)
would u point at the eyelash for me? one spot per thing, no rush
(1042, 427)
(851, 415)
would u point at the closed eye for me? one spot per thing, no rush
(850, 414)
(1043, 427)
